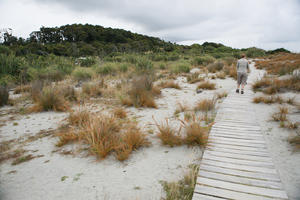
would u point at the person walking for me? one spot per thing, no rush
(242, 68)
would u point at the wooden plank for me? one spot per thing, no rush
(241, 180)
(237, 151)
(236, 143)
(238, 147)
(236, 125)
(227, 194)
(239, 156)
(238, 166)
(237, 136)
(237, 133)
(197, 196)
(238, 161)
(239, 173)
(243, 188)
(237, 139)
(237, 128)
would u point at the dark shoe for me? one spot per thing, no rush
(242, 92)
(237, 91)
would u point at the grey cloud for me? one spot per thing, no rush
(233, 22)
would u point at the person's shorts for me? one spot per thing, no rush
(242, 78)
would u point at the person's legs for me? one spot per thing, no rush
(238, 82)
(243, 82)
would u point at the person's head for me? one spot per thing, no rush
(243, 55)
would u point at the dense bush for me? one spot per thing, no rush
(144, 64)
(107, 68)
(203, 60)
(87, 62)
(181, 68)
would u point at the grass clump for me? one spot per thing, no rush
(104, 135)
(92, 89)
(181, 68)
(205, 105)
(50, 99)
(268, 99)
(215, 67)
(281, 115)
(195, 134)
(120, 113)
(194, 78)
(184, 188)
(169, 84)
(141, 93)
(82, 74)
(206, 85)
(107, 68)
(168, 135)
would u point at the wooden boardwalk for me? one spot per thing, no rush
(236, 163)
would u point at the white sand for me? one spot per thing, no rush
(139, 176)
(85, 177)
(286, 160)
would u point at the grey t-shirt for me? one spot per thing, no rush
(242, 65)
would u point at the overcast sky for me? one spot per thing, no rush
(267, 24)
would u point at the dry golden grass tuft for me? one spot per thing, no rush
(231, 71)
(104, 134)
(50, 99)
(206, 85)
(141, 93)
(280, 64)
(274, 85)
(268, 99)
(181, 107)
(79, 118)
(92, 89)
(205, 105)
(169, 84)
(195, 134)
(295, 140)
(194, 78)
(281, 115)
(120, 112)
(221, 95)
(168, 135)
(67, 138)
(221, 75)
(184, 188)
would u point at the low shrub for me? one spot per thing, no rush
(82, 74)
(107, 68)
(143, 65)
(203, 60)
(181, 68)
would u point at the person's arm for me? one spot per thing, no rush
(248, 67)
(237, 65)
